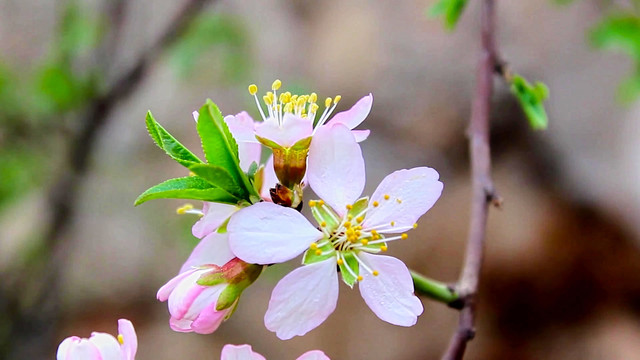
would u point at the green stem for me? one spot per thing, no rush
(434, 289)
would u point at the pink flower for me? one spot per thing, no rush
(101, 346)
(352, 231)
(245, 352)
(208, 287)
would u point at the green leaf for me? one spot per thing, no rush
(169, 144)
(190, 187)
(620, 32)
(219, 146)
(219, 177)
(450, 10)
(531, 99)
(347, 276)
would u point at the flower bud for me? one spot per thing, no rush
(101, 345)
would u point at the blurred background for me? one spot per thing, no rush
(561, 278)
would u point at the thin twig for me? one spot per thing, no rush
(32, 327)
(483, 192)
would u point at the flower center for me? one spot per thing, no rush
(302, 106)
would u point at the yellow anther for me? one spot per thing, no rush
(267, 99)
(399, 201)
(276, 85)
(349, 216)
(320, 202)
(374, 232)
(337, 99)
(318, 252)
(313, 98)
(313, 108)
(415, 226)
(183, 209)
(340, 261)
(120, 337)
(375, 204)
(253, 89)
(288, 108)
(375, 273)
(349, 206)
(386, 196)
(364, 242)
(383, 247)
(360, 278)
(393, 223)
(358, 233)
(360, 219)
(347, 224)
(323, 224)
(313, 246)
(376, 237)
(404, 236)
(327, 102)
(312, 203)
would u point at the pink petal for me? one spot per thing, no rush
(166, 289)
(360, 135)
(75, 348)
(188, 299)
(107, 345)
(266, 233)
(180, 325)
(213, 249)
(239, 352)
(303, 299)
(209, 320)
(354, 116)
(242, 127)
(390, 294)
(411, 193)
(269, 180)
(336, 167)
(215, 214)
(130, 345)
(293, 129)
(313, 355)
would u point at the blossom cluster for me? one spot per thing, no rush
(251, 217)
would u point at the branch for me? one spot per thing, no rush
(483, 192)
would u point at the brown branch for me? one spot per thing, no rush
(32, 327)
(483, 192)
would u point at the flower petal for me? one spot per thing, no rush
(411, 193)
(303, 299)
(188, 299)
(213, 249)
(180, 325)
(266, 233)
(390, 294)
(209, 320)
(215, 214)
(354, 116)
(269, 179)
(75, 348)
(360, 135)
(130, 344)
(239, 352)
(313, 355)
(293, 129)
(107, 345)
(242, 127)
(336, 167)
(166, 289)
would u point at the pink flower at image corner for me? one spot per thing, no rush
(245, 352)
(352, 233)
(101, 346)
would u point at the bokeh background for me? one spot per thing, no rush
(562, 269)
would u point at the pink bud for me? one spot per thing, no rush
(101, 346)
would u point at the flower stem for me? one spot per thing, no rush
(434, 289)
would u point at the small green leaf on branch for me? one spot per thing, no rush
(531, 99)
(190, 187)
(450, 10)
(169, 144)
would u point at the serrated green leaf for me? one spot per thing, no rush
(531, 99)
(218, 177)
(190, 187)
(169, 144)
(348, 276)
(450, 10)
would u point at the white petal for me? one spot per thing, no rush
(215, 214)
(411, 193)
(313, 355)
(360, 135)
(293, 129)
(354, 116)
(336, 168)
(303, 299)
(213, 249)
(242, 127)
(266, 233)
(390, 294)
(108, 346)
(269, 179)
(239, 352)
(130, 339)
(81, 349)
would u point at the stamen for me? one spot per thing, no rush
(404, 236)
(340, 261)
(360, 278)
(276, 85)
(415, 226)
(384, 248)
(121, 339)
(386, 196)
(183, 209)
(399, 201)
(375, 204)
(312, 203)
(318, 252)
(375, 273)
(253, 89)
(349, 206)
(323, 224)
(313, 246)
